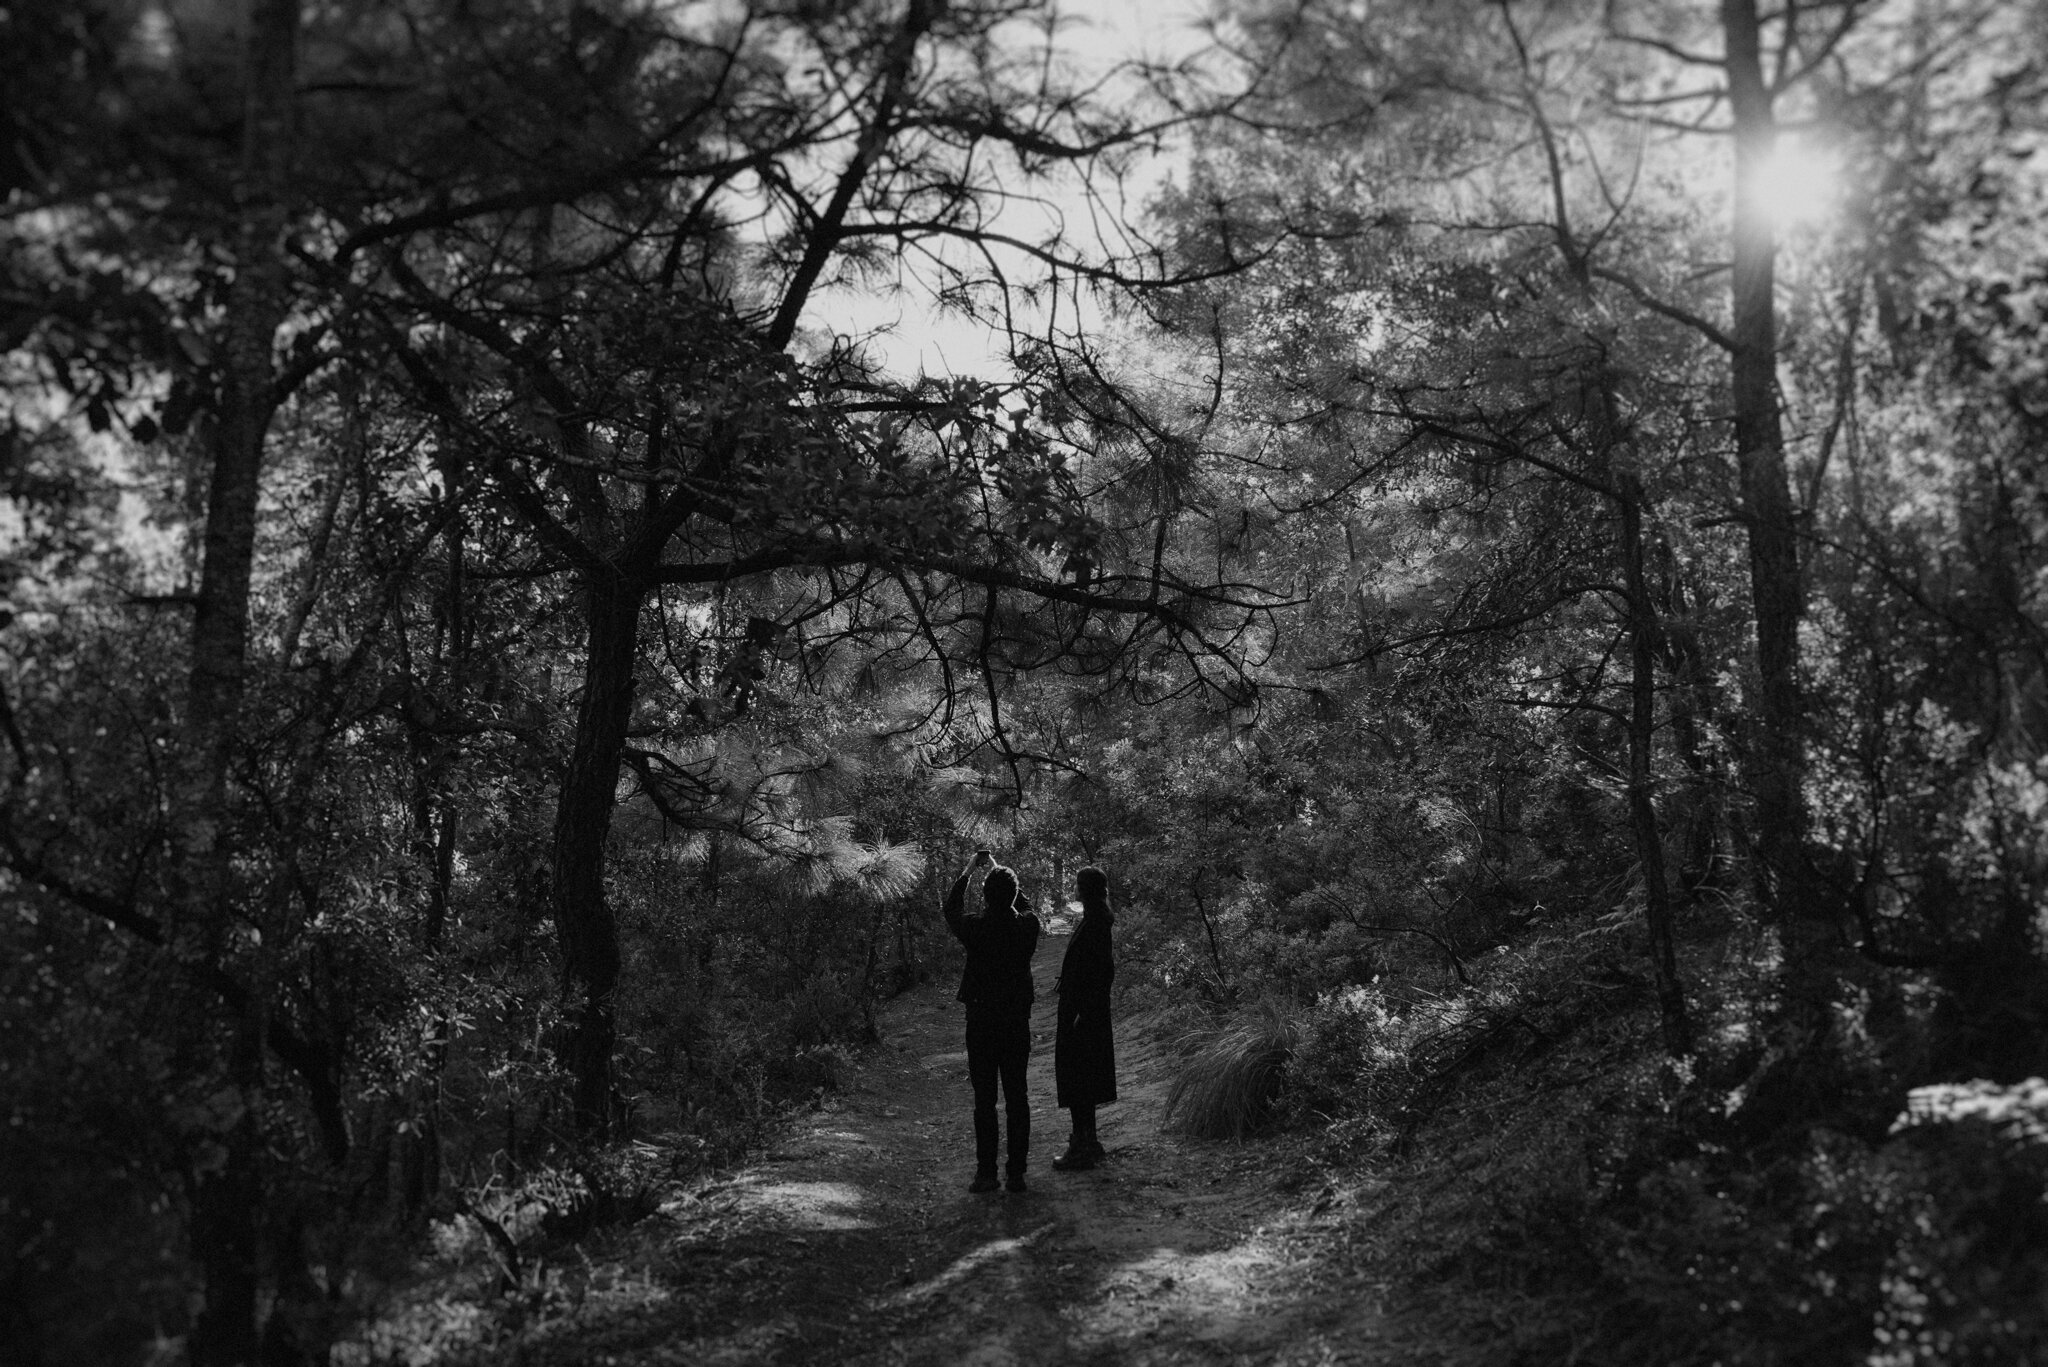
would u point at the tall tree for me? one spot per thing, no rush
(1767, 508)
(617, 305)
(225, 1206)
(1466, 360)
(1590, 125)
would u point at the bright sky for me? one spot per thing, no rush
(1137, 28)
(1103, 32)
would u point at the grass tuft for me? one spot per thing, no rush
(1229, 1083)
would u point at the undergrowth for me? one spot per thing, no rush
(1538, 1181)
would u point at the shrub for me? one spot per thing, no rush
(1968, 1280)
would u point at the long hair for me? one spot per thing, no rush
(1093, 886)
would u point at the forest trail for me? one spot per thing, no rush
(854, 1239)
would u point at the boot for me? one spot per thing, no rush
(1084, 1135)
(984, 1180)
(1014, 1183)
(1079, 1157)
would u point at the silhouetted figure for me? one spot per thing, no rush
(996, 986)
(1084, 1050)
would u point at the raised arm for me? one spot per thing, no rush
(956, 900)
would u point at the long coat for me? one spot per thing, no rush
(1084, 1048)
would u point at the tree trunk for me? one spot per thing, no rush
(316, 557)
(452, 675)
(435, 928)
(1699, 824)
(584, 927)
(229, 1193)
(1642, 808)
(583, 817)
(1776, 763)
(225, 1202)
(255, 309)
(1689, 705)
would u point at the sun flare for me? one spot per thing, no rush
(1797, 183)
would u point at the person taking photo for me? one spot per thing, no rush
(996, 987)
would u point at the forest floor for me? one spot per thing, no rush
(853, 1239)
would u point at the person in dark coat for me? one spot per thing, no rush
(1084, 1050)
(996, 986)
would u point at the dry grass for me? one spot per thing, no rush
(1228, 1084)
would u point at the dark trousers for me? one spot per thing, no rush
(999, 1047)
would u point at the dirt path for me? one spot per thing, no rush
(856, 1241)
